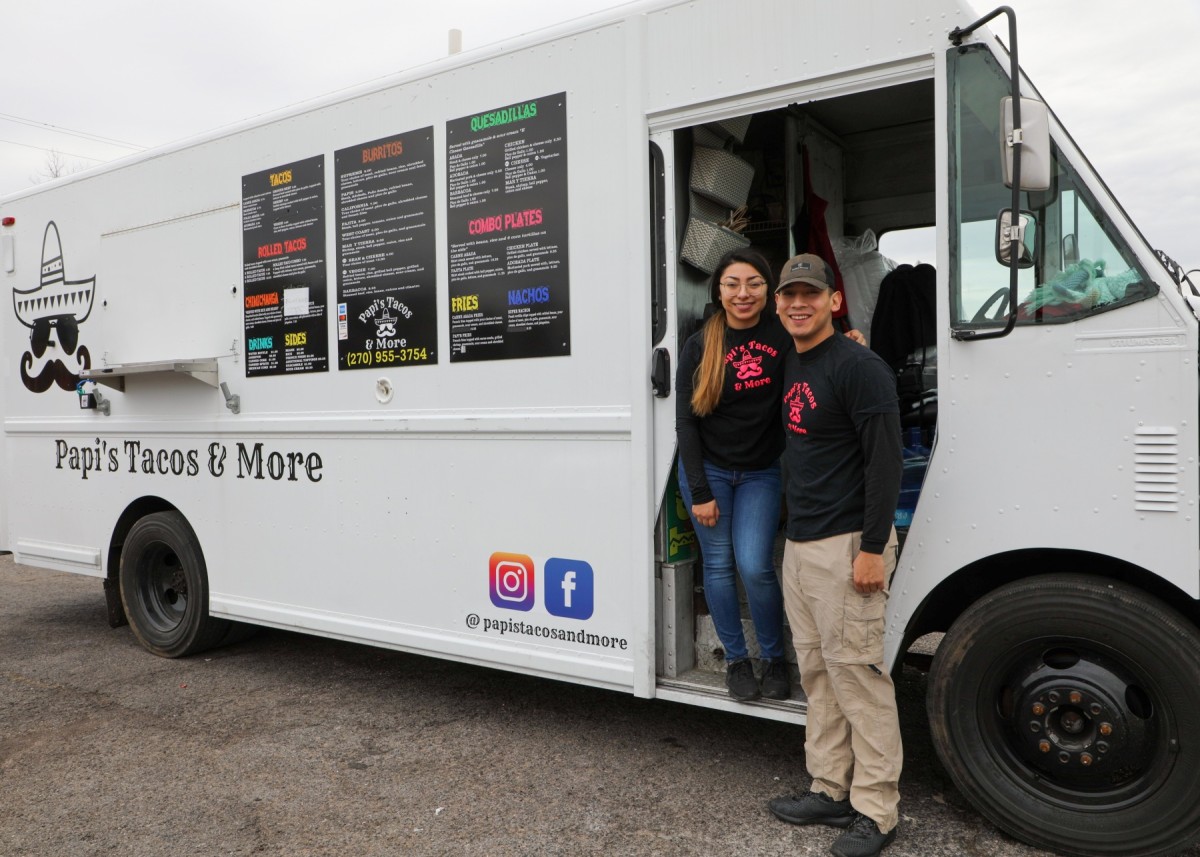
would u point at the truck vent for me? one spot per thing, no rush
(1156, 469)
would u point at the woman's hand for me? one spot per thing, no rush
(706, 514)
(857, 336)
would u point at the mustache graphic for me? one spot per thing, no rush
(54, 372)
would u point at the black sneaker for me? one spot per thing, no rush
(775, 681)
(813, 808)
(862, 839)
(739, 678)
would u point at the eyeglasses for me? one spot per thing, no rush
(753, 287)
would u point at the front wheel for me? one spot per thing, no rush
(164, 588)
(1067, 709)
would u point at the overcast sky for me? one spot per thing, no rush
(1123, 76)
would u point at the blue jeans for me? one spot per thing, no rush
(748, 503)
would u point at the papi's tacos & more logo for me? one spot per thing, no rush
(384, 313)
(53, 312)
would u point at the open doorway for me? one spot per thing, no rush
(867, 159)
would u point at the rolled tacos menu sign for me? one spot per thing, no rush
(507, 232)
(387, 255)
(283, 269)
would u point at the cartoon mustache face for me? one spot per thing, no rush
(53, 370)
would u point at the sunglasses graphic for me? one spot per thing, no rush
(66, 331)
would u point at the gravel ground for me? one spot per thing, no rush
(294, 745)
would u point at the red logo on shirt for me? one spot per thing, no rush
(747, 360)
(795, 400)
(748, 366)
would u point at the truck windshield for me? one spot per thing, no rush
(1081, 265)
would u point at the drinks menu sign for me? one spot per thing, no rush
(507, 231)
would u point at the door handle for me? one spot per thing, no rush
(660, 373)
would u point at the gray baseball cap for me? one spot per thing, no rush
(806, 268)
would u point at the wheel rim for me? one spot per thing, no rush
(162, 587)
(1080, 726)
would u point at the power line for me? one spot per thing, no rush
(70, 132)
(47, 149)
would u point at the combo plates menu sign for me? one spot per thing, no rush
(387, 257)
(283, 269)
(507, 232)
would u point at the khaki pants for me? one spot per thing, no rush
(852, 741)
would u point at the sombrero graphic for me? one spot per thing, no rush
(55, 297)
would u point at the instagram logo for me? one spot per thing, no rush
(511, 581)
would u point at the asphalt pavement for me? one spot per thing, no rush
(293, 745)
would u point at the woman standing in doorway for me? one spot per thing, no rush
(730, 438)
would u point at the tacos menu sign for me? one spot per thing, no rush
(283, 269)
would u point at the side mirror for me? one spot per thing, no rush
(1018, 237)
(1035, 143)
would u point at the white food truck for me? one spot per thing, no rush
(395, 367)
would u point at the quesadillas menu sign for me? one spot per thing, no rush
(507, 232)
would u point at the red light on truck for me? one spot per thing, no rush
(8, 221)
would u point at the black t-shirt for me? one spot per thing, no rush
(743, 431)
(843, 456)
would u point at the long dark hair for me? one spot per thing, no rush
(710, 373)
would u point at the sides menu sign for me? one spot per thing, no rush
(507, 232)
(387, 255)
(283, 269)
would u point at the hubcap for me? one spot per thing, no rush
(1080, 726)
(162, 587)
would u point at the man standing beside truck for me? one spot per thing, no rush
(842, 464)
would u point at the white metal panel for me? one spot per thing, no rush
(693, 60)
(637, 269)
(162, 190)
(391, 542)
(171, 290)
(1037, 448)
(542, 458)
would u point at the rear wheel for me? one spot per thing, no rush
(1067, 709)
(164, 588)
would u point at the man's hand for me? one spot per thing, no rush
(706, 514)
(868, 573)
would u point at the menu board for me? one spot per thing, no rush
(387, 255)
(507, 232)
(283, 269)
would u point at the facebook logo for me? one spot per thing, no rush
(569, 588)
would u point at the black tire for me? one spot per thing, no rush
(1067, 709)
(164, 588)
